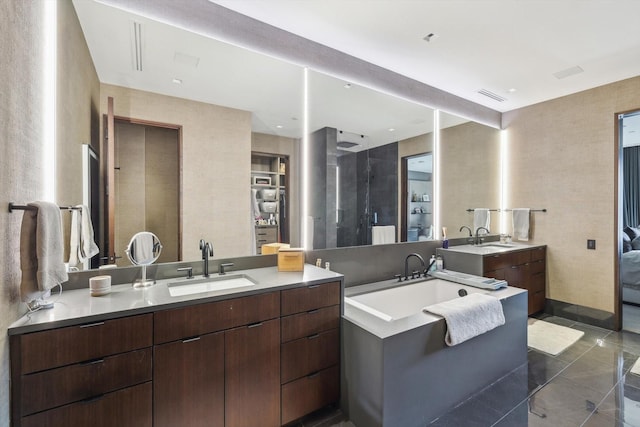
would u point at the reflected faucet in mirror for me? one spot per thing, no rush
(207, 251)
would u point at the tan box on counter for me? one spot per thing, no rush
(273, 248)
(291, 259)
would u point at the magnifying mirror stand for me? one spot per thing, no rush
(143, 282)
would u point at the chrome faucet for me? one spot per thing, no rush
(406, 265)
(207, 251)
(478, 237)
(470, 239)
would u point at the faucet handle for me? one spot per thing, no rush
(399, 277)
(189, 271)
(222, 266)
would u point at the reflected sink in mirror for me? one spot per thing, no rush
(209, 284)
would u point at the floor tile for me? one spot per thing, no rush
(542, 368)
(562, 402)
(472, 413)
(601, 420)
(628, 341)
(600, 369)
(622, 403)
(507, 393)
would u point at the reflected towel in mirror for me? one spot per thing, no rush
(382, 234)
(81, 240)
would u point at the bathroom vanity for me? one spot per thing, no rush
(261, 355)
(522, 266)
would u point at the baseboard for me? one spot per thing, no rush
(588, 315)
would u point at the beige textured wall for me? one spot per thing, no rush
(216, 162)
(562, 157)
(21, 49)
(78, 94)
(469, 175)
(287, 147)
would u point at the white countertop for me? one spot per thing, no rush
(489, 248)
(74, 307)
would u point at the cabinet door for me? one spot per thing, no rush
(252, 380)
(188, 382)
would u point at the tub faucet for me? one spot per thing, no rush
(478, 237)
(207, 251)
(470, 239)
(406, 264)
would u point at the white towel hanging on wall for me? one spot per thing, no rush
(521, 223)
(481, 218)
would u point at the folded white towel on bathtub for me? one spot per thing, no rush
(468, 316)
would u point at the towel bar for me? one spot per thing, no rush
(13, 206)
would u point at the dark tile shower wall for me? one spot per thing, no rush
(348, 209)
(383, 183)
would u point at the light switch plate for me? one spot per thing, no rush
(591, 244)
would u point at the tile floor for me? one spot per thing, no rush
(587, 385)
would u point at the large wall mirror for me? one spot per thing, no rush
(217, 104)
(368, 151)
(371, 177)
(469, 173)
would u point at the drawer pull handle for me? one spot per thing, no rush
(314, 336)
(315, 374)
(188, 340)
(91, 325)
(314, 311)
(92, 362)
(313, 286)
(254, 325)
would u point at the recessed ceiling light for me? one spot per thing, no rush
(512, 90)
(279, 126)
(177, 81)
(391, 129)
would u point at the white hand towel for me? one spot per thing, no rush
(468, 316)
(521, 223)
(41, 250)
(481, 218)
(381, 234)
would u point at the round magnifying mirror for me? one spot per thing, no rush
(144, 249)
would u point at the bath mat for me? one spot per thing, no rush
(550, 338)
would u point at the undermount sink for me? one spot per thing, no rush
(497, 245)
(209, 284)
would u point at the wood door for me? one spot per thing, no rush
(252, 377)
(188, 382)
(109, 184)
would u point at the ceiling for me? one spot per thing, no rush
(494, 45)
(511, 48)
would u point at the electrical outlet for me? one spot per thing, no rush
(591, 244)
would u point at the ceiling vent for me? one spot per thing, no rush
(568, 72)
(136, 40)
(492, 95)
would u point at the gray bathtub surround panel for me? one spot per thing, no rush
(410, 378)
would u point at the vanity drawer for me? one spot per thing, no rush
(497, 262)
(310, 322)
(521, 257)
(129, 407)
(310, 297)
(269, 234)
(307, 394)
(200, 319)
(537, 266)
(310, 354)
(65, 346)
(56, 387)
(538, 254)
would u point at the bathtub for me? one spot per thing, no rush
(398, 370)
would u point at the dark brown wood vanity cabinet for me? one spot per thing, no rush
(217, 364)
(310, 350)
(95, 374)
(524, 269)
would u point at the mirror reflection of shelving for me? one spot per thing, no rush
(269, 180)
(419, 210)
